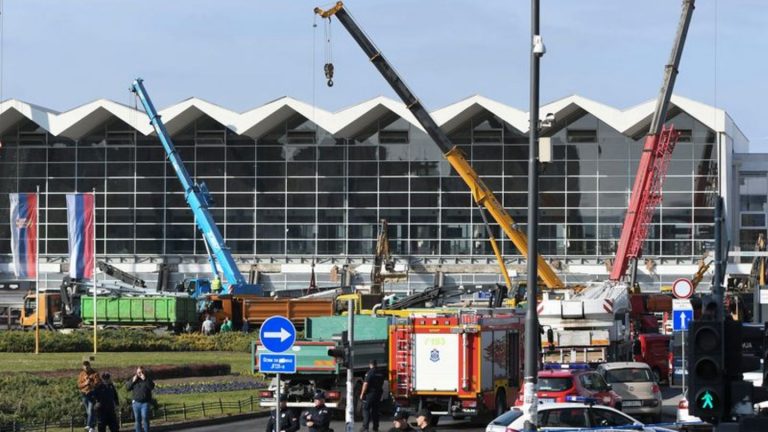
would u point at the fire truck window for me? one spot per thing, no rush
(513, 359)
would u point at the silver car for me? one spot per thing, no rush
(571, 416)
(637, 386)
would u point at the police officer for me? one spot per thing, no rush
(400, 422)
(423, 420)
(289, 421)
(370, 394)
(318, 418)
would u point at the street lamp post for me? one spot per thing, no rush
(532, 336)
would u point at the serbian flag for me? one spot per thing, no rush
(24, 234)
(80, 224)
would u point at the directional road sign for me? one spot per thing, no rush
(681, 319)
(277, 334)
(277, 363)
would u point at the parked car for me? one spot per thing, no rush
(570, 416)
(575, 385)
(638, 387)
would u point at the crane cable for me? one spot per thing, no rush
(328, 67)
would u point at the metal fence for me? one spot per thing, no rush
(172, 412)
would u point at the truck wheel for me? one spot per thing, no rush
(501, 402)
(358, 403)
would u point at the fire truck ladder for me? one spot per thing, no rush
(403, 360)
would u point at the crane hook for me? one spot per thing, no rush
(328, 68)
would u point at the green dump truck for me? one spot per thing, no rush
(158, 311)
(316, 370)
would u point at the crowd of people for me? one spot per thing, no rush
(101, 400)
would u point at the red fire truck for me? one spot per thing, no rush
(461, 364)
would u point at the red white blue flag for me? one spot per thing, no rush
(24, 234)
(80, 225)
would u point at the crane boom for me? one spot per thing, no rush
(657, 150)
(198, 199)
(481, 193)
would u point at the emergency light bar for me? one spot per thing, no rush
(572, 366)
(581, 399)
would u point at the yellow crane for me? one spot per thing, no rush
(481, 193)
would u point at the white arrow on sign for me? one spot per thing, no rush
(683, 320)
(283, 334)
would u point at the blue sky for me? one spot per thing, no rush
(241, 54)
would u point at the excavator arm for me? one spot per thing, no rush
(481, 193)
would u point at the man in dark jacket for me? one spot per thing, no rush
(370, 394)
(106, 398)
(400, 422)
(318, 418)
(141, 387)
(424, 420)
(289, 421)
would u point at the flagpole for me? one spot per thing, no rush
(37, 271)
(93, 218)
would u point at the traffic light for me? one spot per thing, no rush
(706, 391)
(341, 351)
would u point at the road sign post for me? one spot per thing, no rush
(682, 314)
(277, 335)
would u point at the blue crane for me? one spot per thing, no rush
(198, 199)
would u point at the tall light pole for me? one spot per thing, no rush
(532, 336)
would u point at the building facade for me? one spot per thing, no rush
(295, 184)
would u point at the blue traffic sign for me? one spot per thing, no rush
(277, 334)
(681, 319)
(277, 363)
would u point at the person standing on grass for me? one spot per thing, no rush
(87, 382)
(106, 404)
(140, 387)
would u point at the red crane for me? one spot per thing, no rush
(657, 150)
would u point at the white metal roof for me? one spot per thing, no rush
(78, 121)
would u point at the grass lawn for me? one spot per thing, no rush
(25, 362)
(197, 398)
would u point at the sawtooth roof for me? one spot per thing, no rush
(78, 121)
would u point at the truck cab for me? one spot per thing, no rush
(653, 350)
(52, 311)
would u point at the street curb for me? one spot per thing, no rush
(203, 422)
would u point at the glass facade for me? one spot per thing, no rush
(300, 191)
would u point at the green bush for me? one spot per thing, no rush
(31, 398)
(124, 340)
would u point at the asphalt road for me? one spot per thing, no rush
(671, 397)
(260, 424)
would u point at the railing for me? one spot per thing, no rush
(166, 413)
